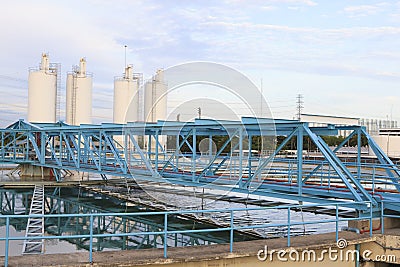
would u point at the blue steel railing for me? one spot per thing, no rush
(231, 228)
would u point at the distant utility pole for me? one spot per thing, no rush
(125, 46)
(300, 106)
(199, 112)
(261, 98)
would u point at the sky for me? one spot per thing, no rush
(342, 56)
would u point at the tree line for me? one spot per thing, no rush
(259, 143)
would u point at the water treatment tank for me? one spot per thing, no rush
(42, 92)
(126, 96)
(155, 98)
(79, 95)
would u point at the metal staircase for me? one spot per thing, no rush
(35, 226)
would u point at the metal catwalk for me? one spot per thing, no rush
(170, 151)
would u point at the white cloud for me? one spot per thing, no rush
(306, 49)
(160, 34)
(269, 2)
(365, 10)
(268, 8)
(55, 29)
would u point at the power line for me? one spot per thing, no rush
(13, 78)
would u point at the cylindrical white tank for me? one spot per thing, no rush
(155, 98)
(79, 96)
(148, 101)
(155, 104)
(126, 97)
(42, 93)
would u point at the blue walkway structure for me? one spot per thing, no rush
(59, 226)
(138, 150)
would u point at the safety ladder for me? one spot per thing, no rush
(35, 226)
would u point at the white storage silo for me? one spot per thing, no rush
(126, 97)
(79, 95)
(148, 101)
(155, 98)
(155, 103)
(42, 92)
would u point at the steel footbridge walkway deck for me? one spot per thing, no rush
(169, 151)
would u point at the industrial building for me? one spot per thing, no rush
(389, 140)
(374, 126)
(384, 132)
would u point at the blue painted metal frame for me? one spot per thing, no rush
(230, 229)
(99, 149)
(340, 169)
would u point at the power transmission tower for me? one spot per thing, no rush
(300, 106)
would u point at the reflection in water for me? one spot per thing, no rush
(79, 201)
(75, 201)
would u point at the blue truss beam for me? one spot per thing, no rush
(217, 155)
(384, 159)
(340, 169)
(113, 149)
(334, 151)
(176, 153)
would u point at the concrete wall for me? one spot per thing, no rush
(389, 144)
(253, 261)
(209, 256)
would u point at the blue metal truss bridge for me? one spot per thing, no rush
(154, 152)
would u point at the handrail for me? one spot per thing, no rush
(229, 228)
